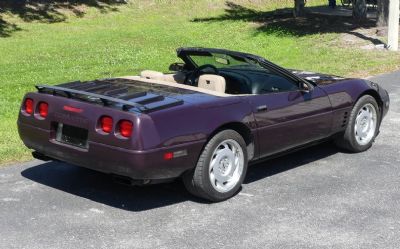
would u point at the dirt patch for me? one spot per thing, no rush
(364, 38)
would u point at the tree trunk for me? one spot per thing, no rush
(360, 10)
(298, 8)
(383, 13)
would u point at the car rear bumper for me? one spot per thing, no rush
(138, 165)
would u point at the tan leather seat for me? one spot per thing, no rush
(212, 82)
(175, 78)
(153, 75)
(177, 85)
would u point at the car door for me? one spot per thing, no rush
(287, 116)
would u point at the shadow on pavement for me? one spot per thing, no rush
(99, 187)
(290, 161)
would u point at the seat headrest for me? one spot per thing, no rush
(154, 75)
(212, 82)
(178, 77)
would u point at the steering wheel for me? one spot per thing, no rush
(192, 78)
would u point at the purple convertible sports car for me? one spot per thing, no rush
(205, 121)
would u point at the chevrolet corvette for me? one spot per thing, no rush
(205, 121)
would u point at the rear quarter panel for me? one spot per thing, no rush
(193, 121)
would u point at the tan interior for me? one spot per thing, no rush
(178, 77)
(154, 75)
(178, 85)
(208, 83)
(175, 78)
(212, 82)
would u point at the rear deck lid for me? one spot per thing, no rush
(123, 93)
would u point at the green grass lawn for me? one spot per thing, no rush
(137, 36)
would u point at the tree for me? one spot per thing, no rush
(299, 7)
(383, 13)
(360, 10)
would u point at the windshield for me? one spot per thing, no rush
(224, 61)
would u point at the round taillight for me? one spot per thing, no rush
(106, 124)
(43, 109)
(28, 106)
(125, 128)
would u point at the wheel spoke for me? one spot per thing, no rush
(213, 163)
(212, 179)
(359, 118)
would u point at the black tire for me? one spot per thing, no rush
(197, 181)
(348, 140)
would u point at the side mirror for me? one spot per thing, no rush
(176, 67)
(306, 87)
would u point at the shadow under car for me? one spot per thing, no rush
(99, 187)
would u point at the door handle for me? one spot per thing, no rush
(262, 108)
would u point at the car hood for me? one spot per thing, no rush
(318, 78)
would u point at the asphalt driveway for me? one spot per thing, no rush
(316, 198)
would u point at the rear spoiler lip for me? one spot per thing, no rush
(106, 100)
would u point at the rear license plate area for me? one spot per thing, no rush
(72, 135)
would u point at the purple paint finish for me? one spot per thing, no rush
(275, 122)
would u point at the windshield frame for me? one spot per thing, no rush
(216, 59)
(184, 54)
